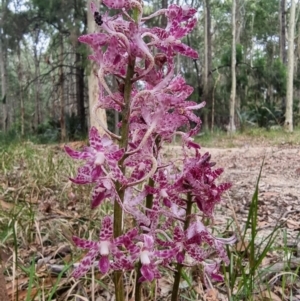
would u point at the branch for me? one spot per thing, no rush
(223, 66)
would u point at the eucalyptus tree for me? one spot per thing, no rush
(67, 21)
(97, 116)
(232, 127)
(288, 124)
(4, 117)
(15, 24)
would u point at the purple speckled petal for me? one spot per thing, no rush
(196, 252)
(127, 239)
(95, 40)
(148, 242)
(147, 272)
(186, 50)
(180, 257)
(119, 4)
(99, 194)
(197, 233)
(106, 232)
(95, 139)
(104, 264)
(212, 270)
(85, 264)
(116, 4)
(176, 12)
(83, 243)
(76, 154)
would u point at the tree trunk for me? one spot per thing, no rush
(231, 127)
(61, 92)
(79, 73)
(80, 92)
(240, 13)
(20, 79)
(207, 78)
(288, 124)
(297, 66)
(93, 85)
(282, 37)
(164, 21)
(37, 117)
(3, 75)
(282, 41)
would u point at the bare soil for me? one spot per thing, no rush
(279, 185)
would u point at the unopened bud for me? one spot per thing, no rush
(160, 59)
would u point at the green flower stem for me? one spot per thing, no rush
(126, 109)
(149, 197)
(118, 212)
(138, 285)
(177, 274)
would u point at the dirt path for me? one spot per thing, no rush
(279, 186)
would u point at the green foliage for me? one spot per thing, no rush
(74, 131)
(263, 114)
(266, 75)
(226, 57)
(277, 77)
(46, 132)
(49, 131)
(9, 137)
(55, 12)
(265, 18)
(244, 273)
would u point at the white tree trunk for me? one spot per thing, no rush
(231, 127)
(288, 124)
(96, 117)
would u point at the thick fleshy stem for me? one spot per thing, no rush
(118, 212)
(177, 274)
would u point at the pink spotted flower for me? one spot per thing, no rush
(100, 249)
(101, 158)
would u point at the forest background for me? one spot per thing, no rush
(47, 82)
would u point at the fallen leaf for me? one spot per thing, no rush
(5, 205)
(291, 224)
(241, 246)
(269, 296)
(211, 295)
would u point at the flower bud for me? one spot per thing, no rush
(160, 59)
